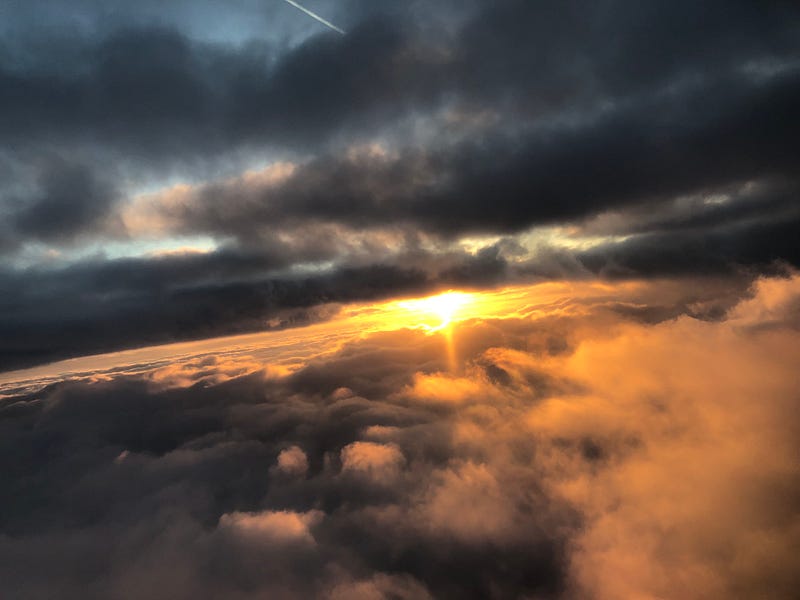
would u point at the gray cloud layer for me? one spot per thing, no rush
(670, 125)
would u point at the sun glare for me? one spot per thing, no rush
(443, 307)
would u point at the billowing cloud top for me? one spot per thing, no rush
(586, 441)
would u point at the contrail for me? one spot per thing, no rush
(316, 16)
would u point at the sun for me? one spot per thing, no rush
(443, 307)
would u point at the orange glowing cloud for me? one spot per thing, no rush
(272, 526)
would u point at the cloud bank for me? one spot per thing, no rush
(588, 451)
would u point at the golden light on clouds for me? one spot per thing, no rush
(291, 349)
(490, 419)
(443, 307)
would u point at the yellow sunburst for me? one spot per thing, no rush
(444, 307)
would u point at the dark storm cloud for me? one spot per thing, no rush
(488, 117)
(70, 200)
(157, 91)
(613, 48)
(752, 203)
(125, 303)
(154, 95)
(751, 227)
(762, 245)
(694, 140)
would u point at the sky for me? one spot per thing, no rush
(453, 299)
